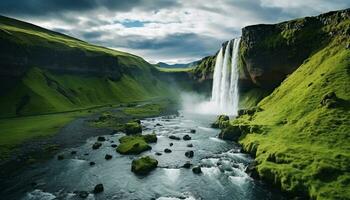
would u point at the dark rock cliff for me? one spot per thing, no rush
(270, 52)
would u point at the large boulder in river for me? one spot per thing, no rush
(143, 165)
(231, 132)
(132, 145)
(132, 128)
(221, 121)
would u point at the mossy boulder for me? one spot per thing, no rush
(143, 165)
(221, 121)
(232, 133)
(135, 144)
(132, 128)
(133, 147)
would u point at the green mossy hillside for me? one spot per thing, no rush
(305, 145)
(40, 92)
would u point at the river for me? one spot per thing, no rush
(223, 166)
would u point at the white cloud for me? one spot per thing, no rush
(193, 28)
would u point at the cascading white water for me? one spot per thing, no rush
(225, 80)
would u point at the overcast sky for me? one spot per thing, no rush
(173, 31)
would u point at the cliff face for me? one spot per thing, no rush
(270, 52)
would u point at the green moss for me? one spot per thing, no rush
(252, 97)
(132, 128)
(135, 144)
(305, 149)
(143, 165)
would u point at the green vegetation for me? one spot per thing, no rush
(143, 165)
(132, 128)
(14, 131)
(27, 34)
(305, 147)
(186, 69)
(135, 144)
(43, 92)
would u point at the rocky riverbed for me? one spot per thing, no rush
(192, 163)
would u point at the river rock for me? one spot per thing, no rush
(101, 139)
(193, 131)
(171, 144)
(158, 153)
(73, 152)
(186, 137)
(92, 163)
(231, 133)
(251, 170)
(83, 194)
(190, 145)
(60, 157)
(221, 121)
(189, 154)
(167, 150)
(108, 156)
(132, 128)
(187, 165)
(96, 145)
(197, 170)
(143, 165)
(114, 145)
(173, 137)
(98, 188)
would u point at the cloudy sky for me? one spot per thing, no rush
(173, 31)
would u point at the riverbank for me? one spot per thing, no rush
(32, 139)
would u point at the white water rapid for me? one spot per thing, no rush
(225, 80)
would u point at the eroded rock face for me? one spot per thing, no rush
(270, 52)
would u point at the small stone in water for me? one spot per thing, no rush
(92, 163)
(187, 165)
(186, 137)
(167, 150)
(60, 157)
(171, 144)
(190, 145)
(189, 154)
(108, 157)
(83, 194)
(73, 152)
(98, 188)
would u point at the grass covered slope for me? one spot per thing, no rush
(42, 71)
(305, 147)
(40, 91)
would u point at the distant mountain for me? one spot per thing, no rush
(177, 65)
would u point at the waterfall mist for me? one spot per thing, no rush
(224, 98)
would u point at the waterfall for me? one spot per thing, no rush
(225, 79)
